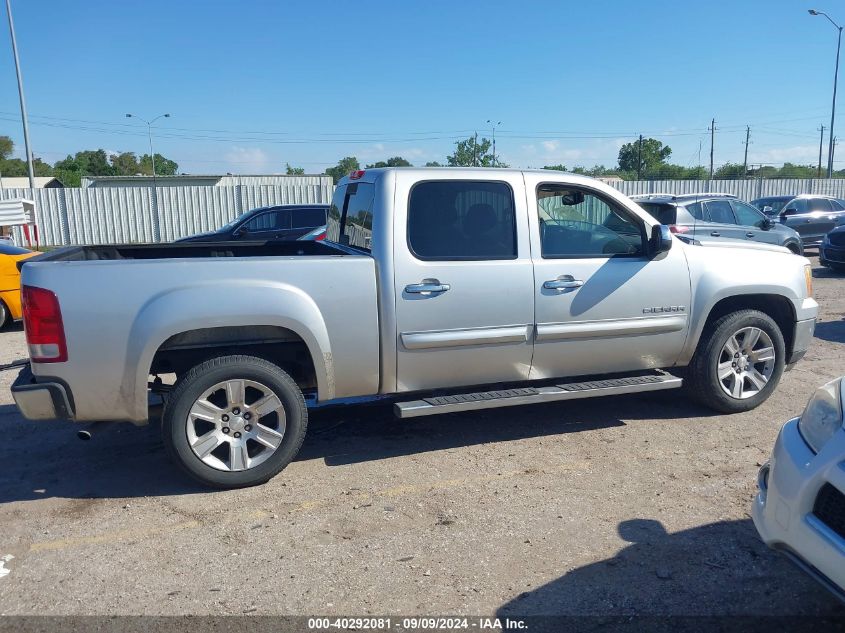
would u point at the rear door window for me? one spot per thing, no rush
(462, 220)
(720, 211)
(820, 204)
(269, 221)
(307, 218)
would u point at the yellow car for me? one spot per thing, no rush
(10, 282)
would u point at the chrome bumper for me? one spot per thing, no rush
(41, 400)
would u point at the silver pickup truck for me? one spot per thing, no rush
(447, 289)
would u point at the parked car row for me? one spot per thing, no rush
(718, 215)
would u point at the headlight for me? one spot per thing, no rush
(823, 416)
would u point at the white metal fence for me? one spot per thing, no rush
(135, 214)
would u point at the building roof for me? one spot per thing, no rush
(22, 182)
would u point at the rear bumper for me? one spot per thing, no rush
(41, 400)
(802, 336)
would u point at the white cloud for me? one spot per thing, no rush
(796, 154)
(247, 160)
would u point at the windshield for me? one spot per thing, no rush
(777, 204)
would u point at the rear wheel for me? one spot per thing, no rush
(5, 317)
(234, 421)
(738, 363)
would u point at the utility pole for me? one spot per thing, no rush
(640, 159)
(24, 119)
(712, 131)
(493, 124)
(475, 151)
(745, 160)
(821, 143)
(835, 79)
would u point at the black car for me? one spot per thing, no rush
(813, 216)
(285, 223)
(832, 250)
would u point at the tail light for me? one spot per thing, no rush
(45, 332)
(675, 228)
(320, 236)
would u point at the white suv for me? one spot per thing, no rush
(800, 506)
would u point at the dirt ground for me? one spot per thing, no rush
(616, 506)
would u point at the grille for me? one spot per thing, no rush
(837, 238)
(830, 509)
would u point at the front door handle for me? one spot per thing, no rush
(749, 234)
(427, 287)
(715, 234)
(564, 282)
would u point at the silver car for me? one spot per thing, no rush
(717, 216)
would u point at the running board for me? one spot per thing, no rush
(535, 395)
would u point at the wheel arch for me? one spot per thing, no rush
(777, 306)
(196, 317)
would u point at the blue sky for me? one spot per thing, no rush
(253, 85)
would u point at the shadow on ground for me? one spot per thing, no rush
(47, 460)
(833, 331)
(718, 569)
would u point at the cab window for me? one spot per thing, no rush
(576, 222)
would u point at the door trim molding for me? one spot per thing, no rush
(610, 327)
(436, 339)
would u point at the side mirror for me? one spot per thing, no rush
(661, 239)
(767, 224)
(767, 210)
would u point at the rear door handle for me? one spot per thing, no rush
(715, 234)
(427, 287)
(564, 282)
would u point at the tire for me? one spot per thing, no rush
(5, 316)
(222, 426)
(795, 248)
(713, 356)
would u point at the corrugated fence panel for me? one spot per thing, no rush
(184, 211)
(125, 214)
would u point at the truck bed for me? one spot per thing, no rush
(192, 251)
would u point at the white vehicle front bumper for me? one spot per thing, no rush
(785, 508)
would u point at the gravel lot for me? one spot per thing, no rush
(627, 505)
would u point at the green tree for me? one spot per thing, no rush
(654, 155)
(557, 167)
(729, 171)
(125, 164)
(396, 161)
(472, 152)
(433, 163)
(293, 171)
(7, 146)
(164, 166)
(343, 167)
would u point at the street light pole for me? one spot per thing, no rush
(835, 80)
(493, 124)
(24, 119)
(150, 135)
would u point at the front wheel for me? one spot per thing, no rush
(4, 314)
(738, 363)
(234, 421)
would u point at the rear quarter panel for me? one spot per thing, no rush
(117, 314)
